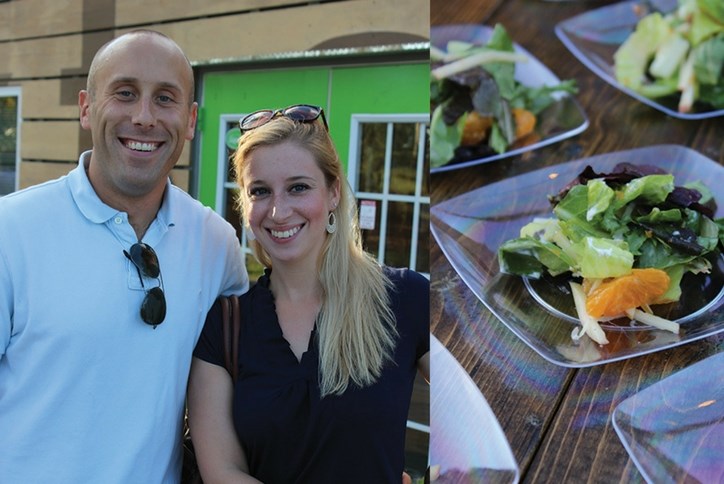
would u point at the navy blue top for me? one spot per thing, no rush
(289, 434)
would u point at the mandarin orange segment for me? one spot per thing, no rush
(524, 122)
(613, 297)
(476, 129)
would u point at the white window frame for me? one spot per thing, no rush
(17, 92)
(222, 168)
(385, 197)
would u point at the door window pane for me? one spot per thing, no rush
(423, 240)
(391, 181)
(399, 229)
(371, 175)
(371, 236)
(403, 171)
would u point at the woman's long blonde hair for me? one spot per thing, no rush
(355, 328)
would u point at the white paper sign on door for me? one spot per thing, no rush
(367, 214)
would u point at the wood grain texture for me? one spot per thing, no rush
(557, 420)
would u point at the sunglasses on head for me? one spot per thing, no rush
(302, 113)
(153, 307)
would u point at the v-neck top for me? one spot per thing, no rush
(289, 433)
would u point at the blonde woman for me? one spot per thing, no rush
(330, 341)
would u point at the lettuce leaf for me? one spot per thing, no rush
(713, 8)
(606, 224)
(444, 138)
(633, 57)
(490, 89)
(709, 60)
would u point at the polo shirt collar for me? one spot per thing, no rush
(94, 209)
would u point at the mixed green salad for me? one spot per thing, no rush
(680, 53)
(478, 107)
(608, 226)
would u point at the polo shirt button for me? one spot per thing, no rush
(118, 220)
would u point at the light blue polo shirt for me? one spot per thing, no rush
(88, 391)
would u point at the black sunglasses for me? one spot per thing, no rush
(302, 113)
(153, 307)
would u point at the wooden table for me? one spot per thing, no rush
(557, 419)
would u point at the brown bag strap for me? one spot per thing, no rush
(235, 334)
(231, 329)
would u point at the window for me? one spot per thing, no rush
(9, 139)
(388, 170)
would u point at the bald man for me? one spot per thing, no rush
(106, 276)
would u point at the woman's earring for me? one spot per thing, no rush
(332, 223)
(250, 235)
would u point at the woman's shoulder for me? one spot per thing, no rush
(410, 301)
(407, 286)
(403, 276)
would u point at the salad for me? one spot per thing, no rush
(478, 107)
(623, 241)
(680, 53)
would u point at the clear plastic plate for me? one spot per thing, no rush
(469, 229)
(564, 119)
(674, 429)
(467, 443)
(593, 37)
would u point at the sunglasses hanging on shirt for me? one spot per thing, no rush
(153, 307)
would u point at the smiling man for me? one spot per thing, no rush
(106, 276)
(140, 109)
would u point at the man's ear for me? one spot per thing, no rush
(84, 105)
(191, 128)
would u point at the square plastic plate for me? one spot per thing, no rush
(593, 37)
(466, 440)
(564, 119)
(469, 229)
(674, 429)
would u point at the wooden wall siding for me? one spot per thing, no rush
(44, 18)
(279, 31)
(50, 140)
(32, 173)
(40, 18)
(51, 98)
(46, 47)
(185, 158)
(225, 38)
(46, 57)
(181, 178)
(130, 12)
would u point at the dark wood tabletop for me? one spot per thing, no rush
(558, 420)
